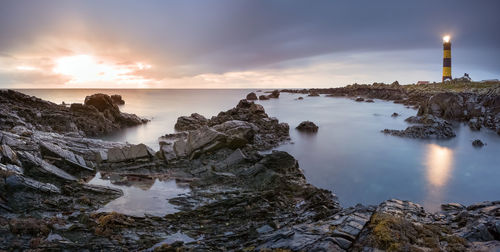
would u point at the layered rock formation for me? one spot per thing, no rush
(239, 199)
(98, 116)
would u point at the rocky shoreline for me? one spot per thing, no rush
(239, 200)
(438, 105)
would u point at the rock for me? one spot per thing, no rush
(37, 167)
(251, 96)
(238, 133)
(257, 109)
(18, 182)
(446, 105)
(394, 114)
(101, 102)
(434, 131)
(313, 94)
(369, 101)
(192, 122)
(23, 114)
(359, 99)
(474, 124)
(117, 99)
(71, 160)
(477, 143)
(300, 98)
(129, 153)
(7, 155)
(452, 207)
(274, 94)
(307, 126)
(263, 97)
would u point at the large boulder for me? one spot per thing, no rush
(192, 122)
(251, 96)
(101, 102)
(307, 126)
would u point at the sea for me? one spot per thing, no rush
(349, 155)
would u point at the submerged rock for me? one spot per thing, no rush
(263, 97)
(477, 143)
(307, 126)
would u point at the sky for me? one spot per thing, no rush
(242, 43)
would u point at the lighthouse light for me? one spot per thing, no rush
(446, 39)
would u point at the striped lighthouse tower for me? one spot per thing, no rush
(446, 58)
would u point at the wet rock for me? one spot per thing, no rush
(359, 99)
(274, 94)
(429, 127)
(477, 143)
(394, 114)
(307, 126)
(369, 100)
(69, 159)
(128, 153)
(474, 124)
(117, 99)
(263, 97)
(300, 98)
(37, 167)
(19, 182)
(439, 131)
(192, 122)
(251, 96)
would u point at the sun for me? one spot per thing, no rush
(85, 68)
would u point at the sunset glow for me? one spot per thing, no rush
(85, 68)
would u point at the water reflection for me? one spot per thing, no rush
(438, 163)
(141, 195)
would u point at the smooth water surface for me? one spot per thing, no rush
(141, 195)
(349, 155)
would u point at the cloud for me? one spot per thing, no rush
(188, 39)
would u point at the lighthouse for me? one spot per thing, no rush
(446, 58)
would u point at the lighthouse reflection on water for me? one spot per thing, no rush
(438, 166)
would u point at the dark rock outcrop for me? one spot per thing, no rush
(307, 126)
(97, 117)
(477, 143)
(251, 96)
(192, 122)
(263, 97)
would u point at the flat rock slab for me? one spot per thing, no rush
(129, 153)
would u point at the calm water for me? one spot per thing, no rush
(141, 196)
(348, 155)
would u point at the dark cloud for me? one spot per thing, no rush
(192, 37)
